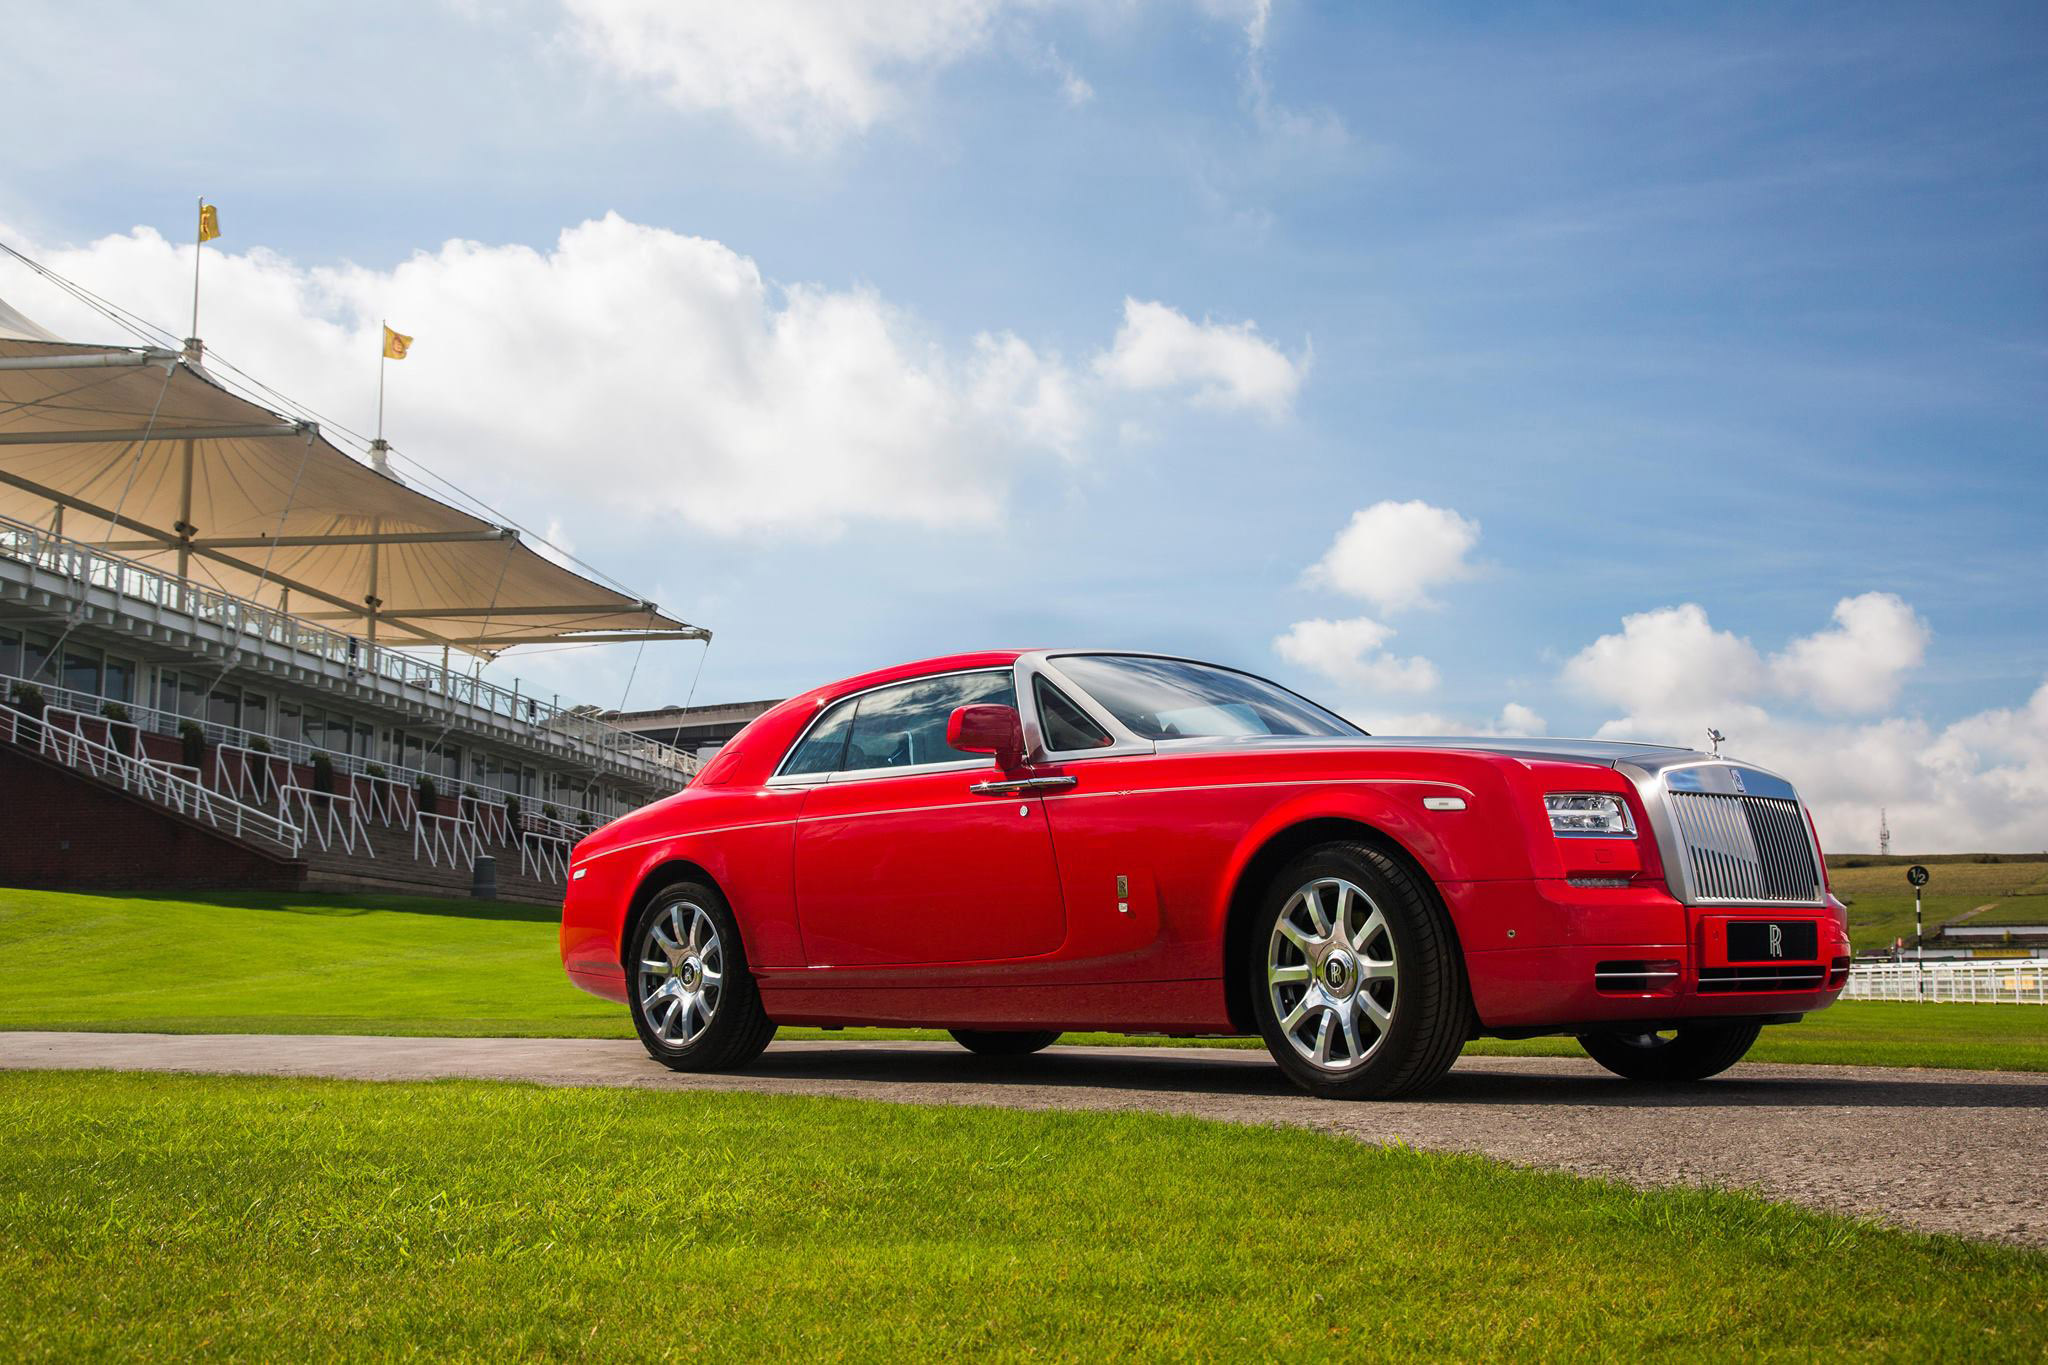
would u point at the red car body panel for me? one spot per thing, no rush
(915, 900)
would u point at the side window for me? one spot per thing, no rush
(905, 725)
(1067, 727)
(823, 745)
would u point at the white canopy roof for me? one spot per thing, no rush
(145, 450)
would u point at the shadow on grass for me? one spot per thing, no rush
(349, 905)
(1223, 1072)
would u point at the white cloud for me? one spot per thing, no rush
(1227, 365)
(1350, 652)
(1671, 671)
(1517, 719)
(1392, 553)
(807, 75)
(1320, 130)
(629, 370)
(627, 375)
(1856, 667)
(1978, 784)
(1074, 88)
(790, 71)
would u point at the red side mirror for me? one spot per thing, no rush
(987, 729)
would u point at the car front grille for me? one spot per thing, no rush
(1746, 850)
(1759, 977)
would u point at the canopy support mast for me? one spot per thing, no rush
(184, 526)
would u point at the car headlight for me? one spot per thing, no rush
(1600, 814)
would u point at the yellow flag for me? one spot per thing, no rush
(209, 222)
(396, 344)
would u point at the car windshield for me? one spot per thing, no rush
(1175, 699)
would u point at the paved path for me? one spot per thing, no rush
(1949, 1151)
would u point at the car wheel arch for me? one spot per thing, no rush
(1264, 863)
(653, 882)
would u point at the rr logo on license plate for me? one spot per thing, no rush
(1773, 941)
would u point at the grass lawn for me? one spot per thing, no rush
(266, 962)
(176, 1216)
(1881, 901)
(269, 963)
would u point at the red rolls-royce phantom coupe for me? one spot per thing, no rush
(1011, 844)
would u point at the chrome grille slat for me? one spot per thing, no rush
(1746, 850)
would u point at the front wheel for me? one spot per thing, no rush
(1690, 1052)
(1357, 980)
(695, 1005)
(994, 1044)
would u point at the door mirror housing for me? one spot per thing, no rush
(988, 729)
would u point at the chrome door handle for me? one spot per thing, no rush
(1012, 786)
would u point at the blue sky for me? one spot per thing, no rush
(1745, 309)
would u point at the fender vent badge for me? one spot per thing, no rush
(1443, 803)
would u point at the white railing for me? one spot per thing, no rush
(174, 786)
(544, 858)
(555, 828)
(122, 735)
(2010, 981)
(327, 819)
(391, 803)
(445, 838)
(106, 757)
(252, 775)
(90, 567)
(147, 718)
(493, 821)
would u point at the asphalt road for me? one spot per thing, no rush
(1962, 1152)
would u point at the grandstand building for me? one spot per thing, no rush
(232, 654)
(699, 730)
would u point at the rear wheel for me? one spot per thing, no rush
(1358, 983)
(694, 1002)
(1690, 1052)
(995, 1044)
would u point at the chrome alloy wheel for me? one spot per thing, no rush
(1331, 972)
(682, 973)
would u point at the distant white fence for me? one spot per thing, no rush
(445, 839)
(328, 820)
(544, 858)
(2015, 981)
(172, 785)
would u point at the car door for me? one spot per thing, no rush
(899, 860)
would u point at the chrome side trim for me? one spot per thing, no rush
(1010, 786)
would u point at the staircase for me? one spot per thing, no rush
(341, 831)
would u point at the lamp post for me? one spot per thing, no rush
(1917, 875)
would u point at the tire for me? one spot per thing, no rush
(717, 1025)
(993, 1044)
(1392, 986)
(1693, 1052)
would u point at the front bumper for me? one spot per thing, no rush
(1546, 956)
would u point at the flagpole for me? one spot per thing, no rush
(198, 252)
(383, 355)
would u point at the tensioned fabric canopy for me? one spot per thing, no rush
(147, 453)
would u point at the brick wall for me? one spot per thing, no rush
(59, 829)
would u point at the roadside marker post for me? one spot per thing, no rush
(1917, 875)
